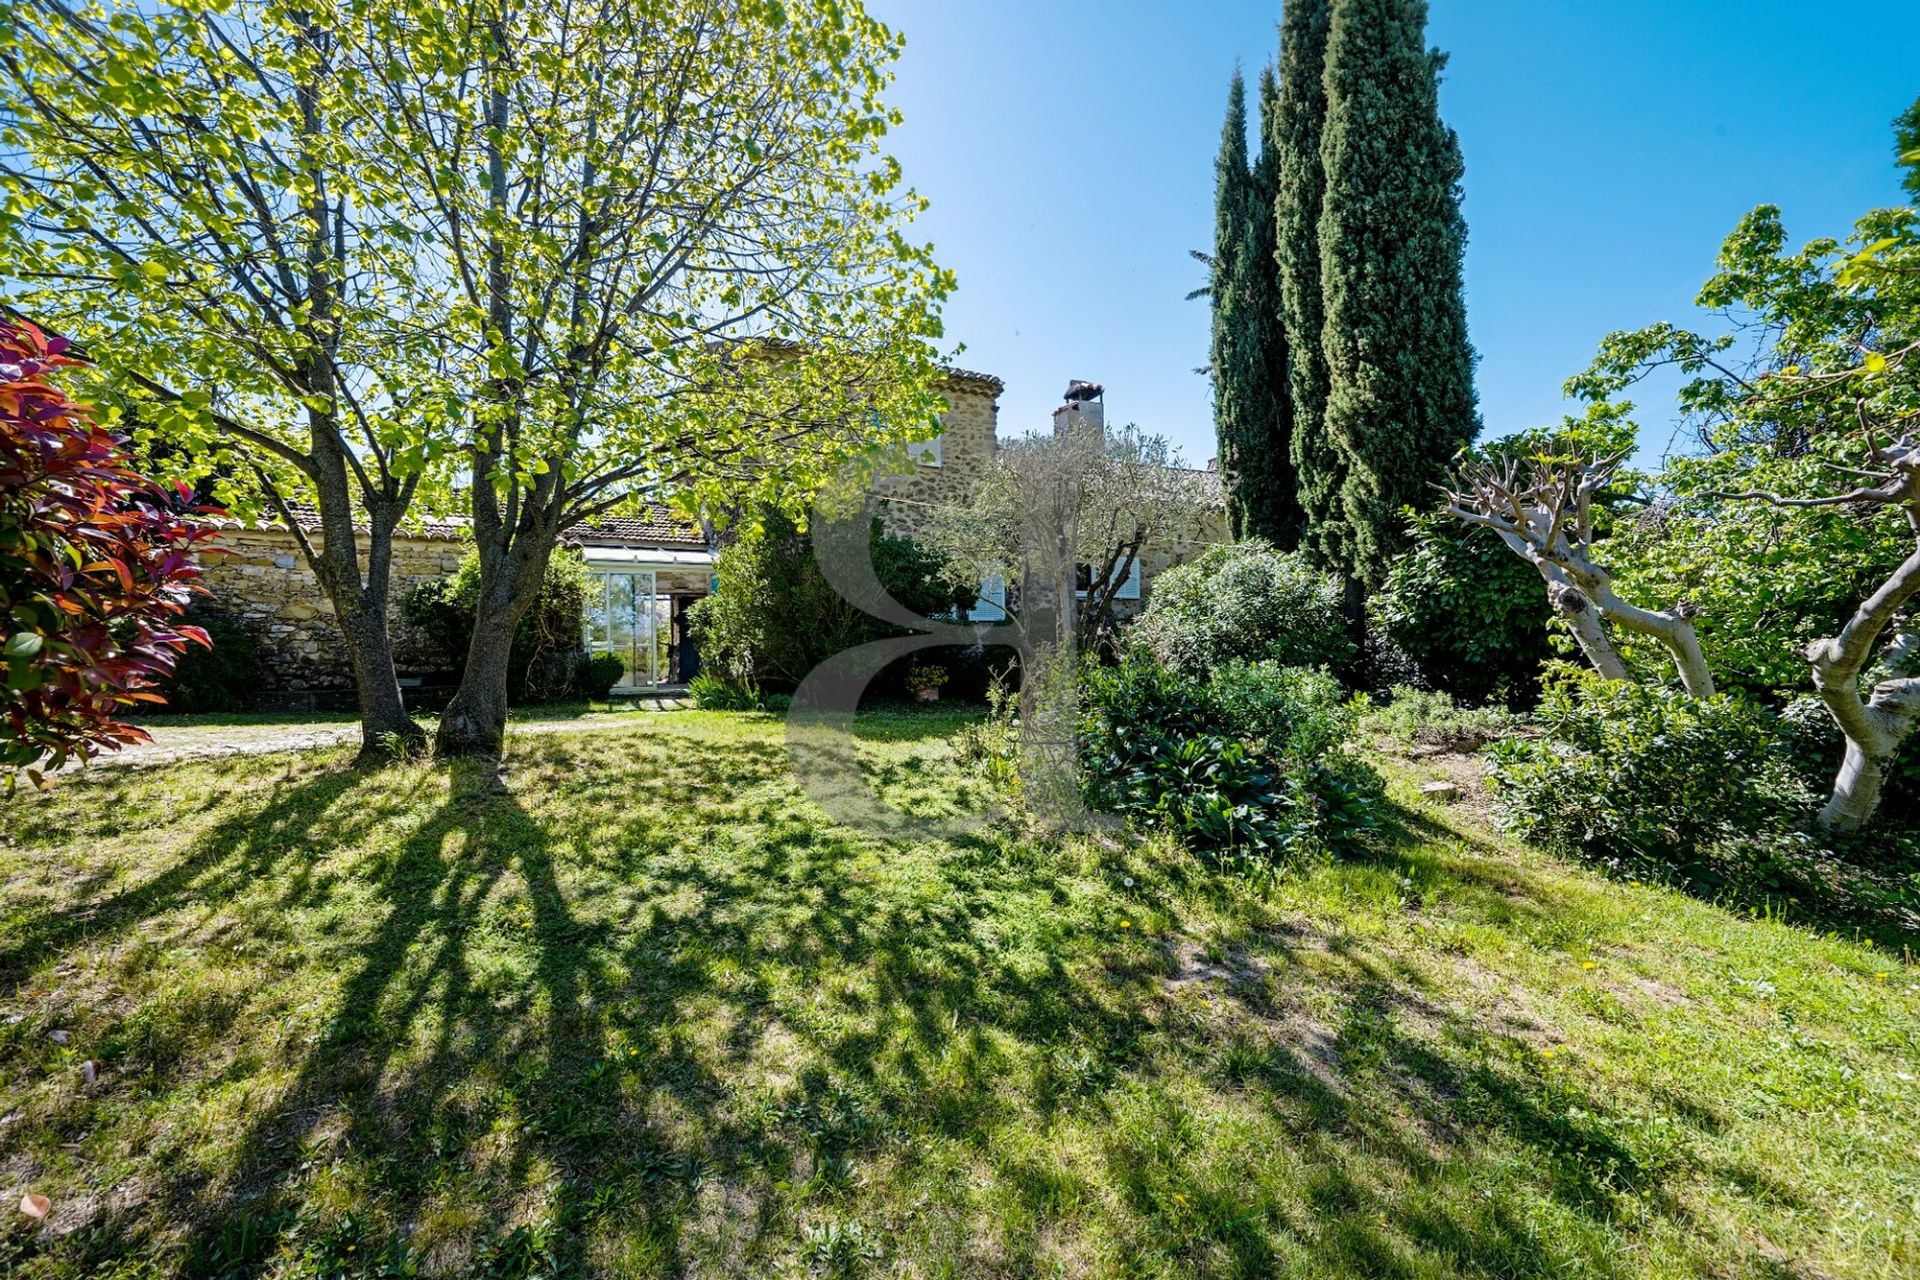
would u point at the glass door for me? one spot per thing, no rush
(628, 625)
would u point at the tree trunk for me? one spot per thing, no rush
(1874, 727)
(386, 729)
(475, 722)
(1856, 790)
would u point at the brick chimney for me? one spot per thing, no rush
(1085, 411)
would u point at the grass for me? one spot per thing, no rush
(646, 1013)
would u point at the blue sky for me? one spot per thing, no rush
(1068, 146)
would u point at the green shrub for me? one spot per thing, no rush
(1293, 712)
(221, 678)
(774, 616)
(1472, 616)
(545, 657)
(716, 693)
(1246, 602)
(595, 676)
(1645, 778)
(1250, 768)
(1425, 718)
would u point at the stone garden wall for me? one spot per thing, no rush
(259, 577)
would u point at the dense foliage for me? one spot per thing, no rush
(95, 567)
(1246, 767)
(1245, 602)
(1299, 119)
(1252, 413)
(1712, 794)
(1790, 535)
(774, 616)
(546, 652)
(1400, 397)
(1468, 612)
(1642, 777)
(223, 676)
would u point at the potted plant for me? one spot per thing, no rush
(925, 680)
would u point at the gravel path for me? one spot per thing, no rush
(172, 744)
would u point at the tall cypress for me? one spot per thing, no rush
(1400, 397)
(1273, 501)
(1298, 120)
(1232, 209)
(1251, 412)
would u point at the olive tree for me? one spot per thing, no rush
(1088, 503)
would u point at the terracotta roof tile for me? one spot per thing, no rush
(653, 525)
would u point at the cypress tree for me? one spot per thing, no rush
(1294, 134)
(1273, 500)
(1232, 208)
(1400, 399)
(1251, 414)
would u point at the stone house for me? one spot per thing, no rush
(646, 570)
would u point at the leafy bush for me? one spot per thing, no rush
(595, 676)
(546, 645)
(1246, 768)
(716, 693)
(95, 567)
(1421, 717)
(222, 677)
(1645, 778)
(774, 616)
(1245, 602)
(1471, 615)
(1292, 712)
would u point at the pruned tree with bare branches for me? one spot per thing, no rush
(1544, 512)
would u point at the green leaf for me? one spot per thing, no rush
(23, 646)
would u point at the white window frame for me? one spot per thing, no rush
(992, 603)
(928, 453)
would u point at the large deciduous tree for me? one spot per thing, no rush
(1400, 399)
(196, 192)
(548, 257)
(680, 258)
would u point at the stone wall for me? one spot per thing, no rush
(260, 577)
(966, 447)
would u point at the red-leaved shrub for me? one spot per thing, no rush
(95, 567)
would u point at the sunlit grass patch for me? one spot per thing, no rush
(647, 1012)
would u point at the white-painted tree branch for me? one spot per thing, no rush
(1546, 520)
(1875, 725)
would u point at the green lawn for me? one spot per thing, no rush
(645, 1013)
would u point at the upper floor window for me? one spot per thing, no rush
(927, 453)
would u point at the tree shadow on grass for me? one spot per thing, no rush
(642, 1030)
